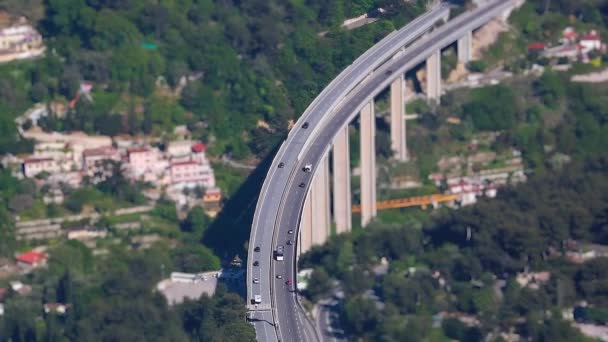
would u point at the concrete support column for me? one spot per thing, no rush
(341, 191)
(398, 124)
(433, 77)
(320, 203)
(465, 47)
(306, 221)
(368, 164)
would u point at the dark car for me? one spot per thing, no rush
(305, 125)
(256, 263)
(302, 185)
(281, 165)
(388, 72)
(256, 249)
(290, 231)
(289, 242)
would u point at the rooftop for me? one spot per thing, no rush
(138, 150)
(31, 257)
(100, 151)
(189, 162)
(36, 160)
(200, 147)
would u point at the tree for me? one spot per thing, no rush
(454, 328)
(550, 88)
(194, 259)
(65, 288)
(319, 284)
(196, 222)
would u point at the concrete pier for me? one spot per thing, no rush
(342, 198)
(398, 124)
(368, 164)
(320, 203)
(465, 47)
(433, 77)
(305, 238)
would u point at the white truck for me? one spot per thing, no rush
(257, 299)
(278, 254)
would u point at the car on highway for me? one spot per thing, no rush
(257, 299)
(289, 242)
(305, 125)
(279, 276)
(256, 280)
(256, 249)
(278, 254)
(289, 282)
(281, 165)
(302, 185)
(388, 72)
(256, 263)
(307, 168)
(290, 231)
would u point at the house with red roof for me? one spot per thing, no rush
(31, 259)
(538, 46)
(591, 41)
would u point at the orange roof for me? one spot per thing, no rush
(31, 257)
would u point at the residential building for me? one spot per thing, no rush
(94, 162)
(53, 196)
(591, 41)
(20, 288)
(56, 308)
(145, 163)
(19, 42)
(34, 166)
(180, 148)
(191, 174)
(31, 259)
(91, 157)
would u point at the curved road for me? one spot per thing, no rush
(264, 222)
(283, 202)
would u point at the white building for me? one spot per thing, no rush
(591, 41)
(191, 174)
(143, 160)
(180, 148)
(20, 41)
(92, 156)
(34, 166)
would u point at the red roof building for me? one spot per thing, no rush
(32, 258)
(536, 46)
(199, 147)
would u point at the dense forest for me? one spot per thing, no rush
(249, 62)
(525, 228)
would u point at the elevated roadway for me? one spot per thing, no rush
(279, 316)
(275, 185)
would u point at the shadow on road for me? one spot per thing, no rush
(229, 232)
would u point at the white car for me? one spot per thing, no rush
(307, 168)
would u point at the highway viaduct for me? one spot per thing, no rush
(296, 206)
